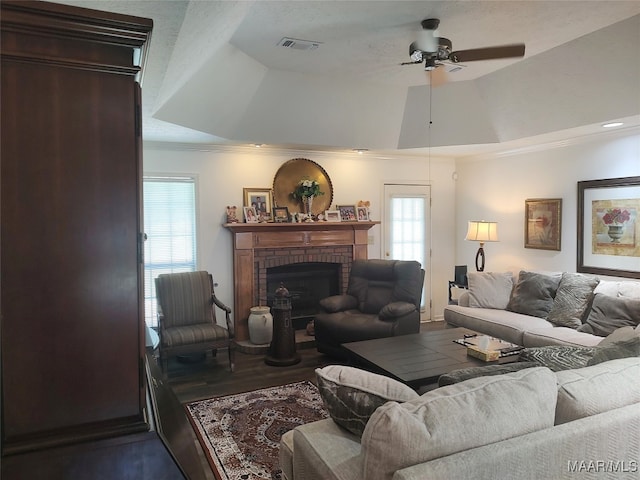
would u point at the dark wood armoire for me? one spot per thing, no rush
(75, 402)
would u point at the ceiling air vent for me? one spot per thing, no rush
(298, 44)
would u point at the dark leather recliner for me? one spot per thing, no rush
(382, 300)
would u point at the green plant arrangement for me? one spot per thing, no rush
(306, 189)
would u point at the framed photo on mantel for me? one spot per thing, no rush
(281, 214)
(347, 213)
(261, 199)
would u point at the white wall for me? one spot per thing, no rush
(224, 172)
(494, 188)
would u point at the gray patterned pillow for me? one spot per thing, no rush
(352, 395)
(558, 357)
(533, 294)
(622, 349)
(463, 374)
(573, 297)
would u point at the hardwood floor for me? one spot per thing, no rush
(211, 377)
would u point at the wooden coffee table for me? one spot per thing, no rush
(417, 359)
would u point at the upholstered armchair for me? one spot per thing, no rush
(382, 300)
(187, 317)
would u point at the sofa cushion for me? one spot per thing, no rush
(533, 294)
(558, 357)
(620, 349)
(572, 300)
(502, 324)
(456, 418)
(610, 313)
(489, 290)
(598, 388)
(324, 450)
(541, 337)
(351, 395)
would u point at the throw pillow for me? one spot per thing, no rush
(558, 357)
(621, 349)
(455, 418)
(352, 395)
(598, 388)
(463, 374)
(533, 294)
(572, 299)
(489, 290)
(620, 334)
(610, 313)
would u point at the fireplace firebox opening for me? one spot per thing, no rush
(308, 283)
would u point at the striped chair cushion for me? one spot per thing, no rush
(191, 334)
(185, 298)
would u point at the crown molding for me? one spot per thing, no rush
(544, 146)
(322, 152)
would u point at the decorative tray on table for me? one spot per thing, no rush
(488, 348)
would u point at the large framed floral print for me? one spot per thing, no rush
(543, 223)
(609, 227)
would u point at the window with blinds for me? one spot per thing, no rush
(170, 228)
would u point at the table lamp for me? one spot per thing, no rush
(481, 231)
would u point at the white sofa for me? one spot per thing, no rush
(528, 330)
(531, 424)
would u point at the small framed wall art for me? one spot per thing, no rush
(542, 223)
(261, 199)
(281, 214)
(347, 213)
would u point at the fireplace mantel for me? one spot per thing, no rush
(253, 240)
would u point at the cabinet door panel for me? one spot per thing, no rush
(70, 295)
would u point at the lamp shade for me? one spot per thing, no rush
(481, 231)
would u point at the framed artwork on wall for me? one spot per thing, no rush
(347, 213)
(543, 223)
(608, 227)
(261, 199)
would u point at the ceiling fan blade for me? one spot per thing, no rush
(488, 53)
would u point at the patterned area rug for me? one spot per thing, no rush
(241, 433)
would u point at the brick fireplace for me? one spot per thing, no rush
(260, 246)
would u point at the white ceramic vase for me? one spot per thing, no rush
(260, 325)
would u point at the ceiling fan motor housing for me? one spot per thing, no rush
(430, 23)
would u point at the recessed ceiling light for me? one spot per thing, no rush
(360, 151)
(258, 145)
(612, 124)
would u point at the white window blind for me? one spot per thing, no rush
(170, 226)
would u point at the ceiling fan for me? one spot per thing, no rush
(434, 50)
